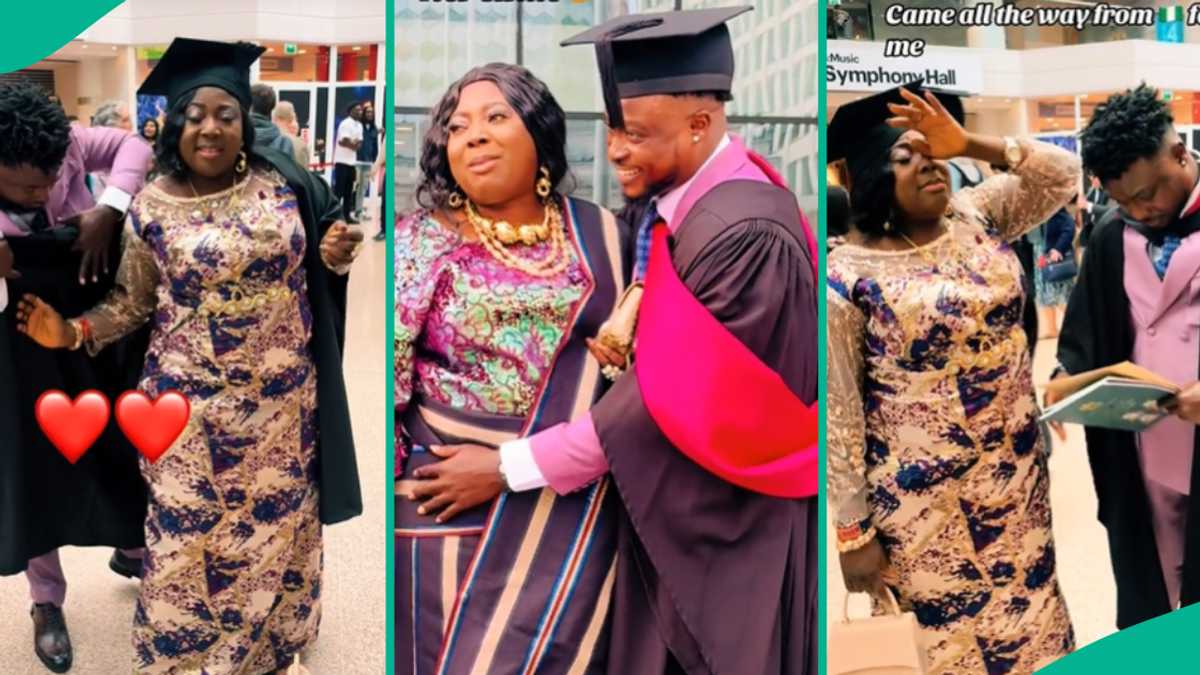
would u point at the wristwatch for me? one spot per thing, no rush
(1013, 154)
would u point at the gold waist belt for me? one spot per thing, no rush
(215, 305)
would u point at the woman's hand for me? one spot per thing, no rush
(862, 569)
(1054, 255)
(944, 138)
(467, 476)
(340, 245)
(42, 324)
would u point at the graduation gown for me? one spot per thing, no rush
(1097, 331)
(741, 250)
(45, 501)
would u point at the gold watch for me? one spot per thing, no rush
(1013, 153)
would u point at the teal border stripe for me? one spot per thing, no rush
(390, 227)
(40, 29)
(822, 335)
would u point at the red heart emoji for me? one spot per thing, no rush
(152, 427)
(72, 427)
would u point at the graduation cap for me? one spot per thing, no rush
(662, 53)
(859, 133)
(188, 64)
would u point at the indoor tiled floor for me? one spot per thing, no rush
(99, 607)
(1084, 571)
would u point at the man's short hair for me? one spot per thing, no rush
(1128, 127)
(262, 99)
(34, 130)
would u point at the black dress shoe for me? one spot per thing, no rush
(51, 642)
(125, 565)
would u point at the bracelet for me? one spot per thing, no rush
(77, 329)
(856, 536)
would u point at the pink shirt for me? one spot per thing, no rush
(125, 157)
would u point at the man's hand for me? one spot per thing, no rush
(467, 476)
(96, 228)
(1054, 256)
(607, 356)
(1186, 404)
(7, 261)
(340, 245)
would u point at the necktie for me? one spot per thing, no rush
(1162, 256)
(643, 242)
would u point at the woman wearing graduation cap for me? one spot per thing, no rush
(231, 256)
(937, 475)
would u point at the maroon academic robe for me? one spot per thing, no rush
(714, 578)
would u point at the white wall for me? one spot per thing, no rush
(320, 21)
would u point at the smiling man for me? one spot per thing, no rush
(56, 237)
(1135, 300)
(710, 435)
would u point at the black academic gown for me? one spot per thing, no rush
(45, 501)
(713, 578)
(1097, 331)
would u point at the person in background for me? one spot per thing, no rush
(345, 159)
(367, 154)
(113, 114)
(1054, 242)
(284, 117)
(60, 242)
(149, 131)
(266, 134)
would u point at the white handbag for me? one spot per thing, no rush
(877, 645)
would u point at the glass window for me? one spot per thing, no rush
(569, 72)
(294, 62)
(357, 63)
(437, 43)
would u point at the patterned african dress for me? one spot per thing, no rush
(486, 353)
(933, 435)
(232, 577)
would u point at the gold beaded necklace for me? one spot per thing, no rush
(496, 237)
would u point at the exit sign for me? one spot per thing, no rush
(290, 48)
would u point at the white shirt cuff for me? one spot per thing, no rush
(116, 198)
(519, 467)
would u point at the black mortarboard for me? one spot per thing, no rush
(859, 133)
(188, 64)
(663, 53)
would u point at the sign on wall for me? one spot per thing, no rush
(851, 65)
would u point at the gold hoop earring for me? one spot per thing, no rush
(242, 161)
(455, 200)
(543, 186)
